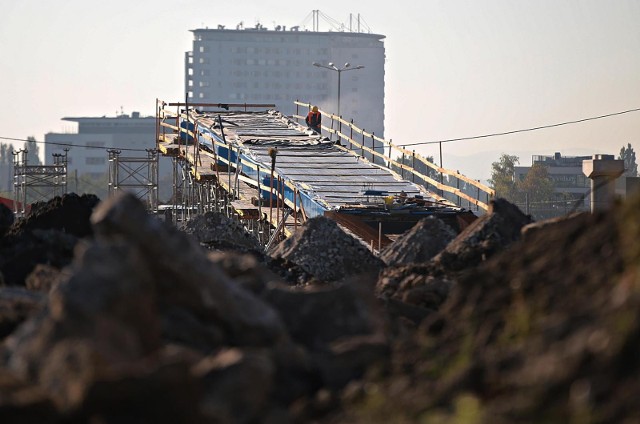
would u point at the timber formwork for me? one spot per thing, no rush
(37, 183)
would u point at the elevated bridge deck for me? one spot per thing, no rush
(274, 162)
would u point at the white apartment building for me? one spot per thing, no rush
(94, 135)
(259, 65)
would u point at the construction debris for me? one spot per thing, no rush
(216, 231)
(421, 243)
(325, 251)
(147, 325)
(486, 236)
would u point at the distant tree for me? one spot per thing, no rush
(629, 156)
(503, 177)
(33, 151)
(537, 186)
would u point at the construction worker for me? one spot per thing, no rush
(314, 119)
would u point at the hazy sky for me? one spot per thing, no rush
(454, 68)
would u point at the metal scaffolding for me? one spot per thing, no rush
(138, 175)
(37, 183)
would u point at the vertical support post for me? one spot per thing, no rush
(413, 166)
(373, 147)
(295, 208)
(441, 176)
(458, 188)
(351, 135)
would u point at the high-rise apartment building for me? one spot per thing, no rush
(259, 65)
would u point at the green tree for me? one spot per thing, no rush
(33, 151)
(629, 157)
(537, 186)
(503, 177)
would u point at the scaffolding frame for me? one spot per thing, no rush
(37, 183)
(137, 175)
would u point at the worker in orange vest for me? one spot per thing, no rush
(314, 119)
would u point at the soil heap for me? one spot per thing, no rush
(511, 322)
(419, 244)
(324, 250)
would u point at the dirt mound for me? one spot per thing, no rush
(486, 236)
(46, 236)
(421, 243)
(69, 213)
(545, 332)
(322, 249)
(219, 232)
(143, 326)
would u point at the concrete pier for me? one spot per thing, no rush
(603, 171)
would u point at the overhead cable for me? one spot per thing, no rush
(84, 146)
(577, 121)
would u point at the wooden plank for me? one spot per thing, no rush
(245, 210)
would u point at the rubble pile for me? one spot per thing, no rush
(147, 326)
(216, 231)
(512, 321)
(489, 234)
(47, 235)
(324, 250)
(419, 244)
(545, 331)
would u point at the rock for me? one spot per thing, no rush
(419, 244)
(237, 384)
(325, 251)
(185, 277)
(43, 278)
(246, 269)
(316, 316)
(21, 402)
(350, 357)
(16, 305)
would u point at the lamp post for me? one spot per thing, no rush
(330, 66)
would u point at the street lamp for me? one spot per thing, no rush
(332, 67)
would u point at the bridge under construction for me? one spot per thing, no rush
(268, 170)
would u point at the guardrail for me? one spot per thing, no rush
(339, 126)
(280, 186)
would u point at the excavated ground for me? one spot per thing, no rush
(109, 315)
